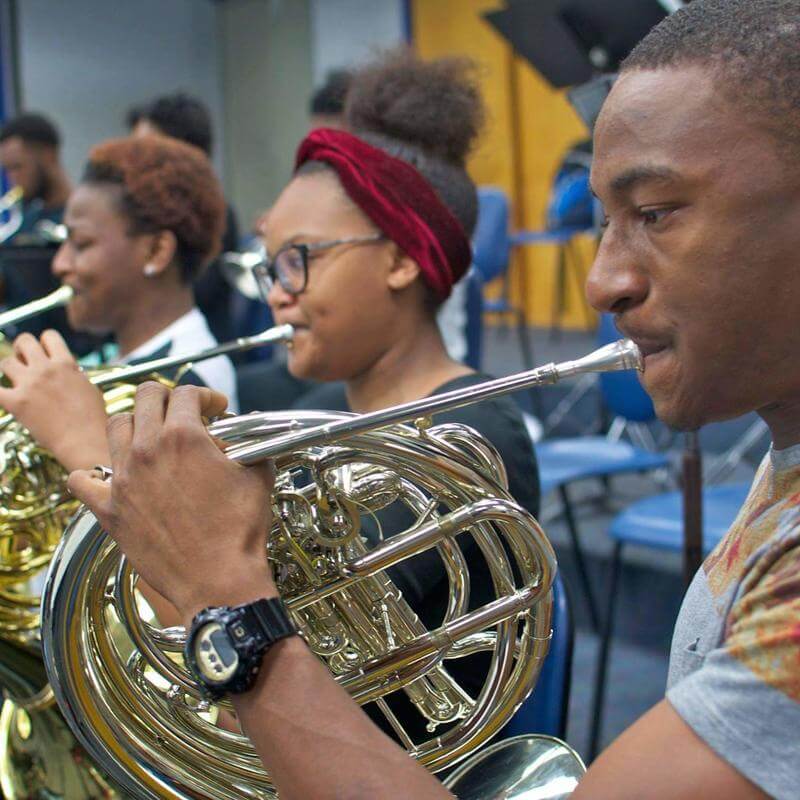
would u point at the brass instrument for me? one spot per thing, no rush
(11, 203)
(238, 269)
(521, 768)
(34, 503)
(10, 199)
(53, 232)
(38, 754)
(56, 299)
(120, 679)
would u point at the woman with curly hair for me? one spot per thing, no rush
(365, 243)
(144, 221)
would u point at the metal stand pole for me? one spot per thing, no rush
(692, 507)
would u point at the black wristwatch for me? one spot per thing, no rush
(226, 645)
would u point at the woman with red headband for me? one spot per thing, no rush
(367, 241)
(363, 245)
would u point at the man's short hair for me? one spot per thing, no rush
(330, 97)
(751, 47)
(178, 115)
(32, 129)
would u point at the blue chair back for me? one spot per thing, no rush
(490, 242)
(545, 711)
(474, 327)
(622, 392)
(571, 200)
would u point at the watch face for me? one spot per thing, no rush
(216, 658)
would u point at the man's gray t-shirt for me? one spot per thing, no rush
(735, 662)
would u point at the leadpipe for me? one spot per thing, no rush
(621, 355)
(280, 333)
(60, 297)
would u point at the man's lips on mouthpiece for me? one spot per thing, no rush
(648, 345)
(650, 348)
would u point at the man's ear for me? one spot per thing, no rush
(403, 272)
(163, 248)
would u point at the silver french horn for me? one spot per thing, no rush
(119, 677)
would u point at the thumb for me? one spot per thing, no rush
(89, 487)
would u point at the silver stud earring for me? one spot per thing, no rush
(150, 270)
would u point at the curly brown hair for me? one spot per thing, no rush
(427, 113)
(435, 105)
(166, 185)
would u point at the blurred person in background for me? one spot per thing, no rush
(30, 155)
(30, 147)
(143, 222)
(326, 108)
(188, 119)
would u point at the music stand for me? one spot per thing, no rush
(571, 41)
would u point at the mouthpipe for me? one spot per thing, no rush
(621, 355)
(60, 297)
(247, 259)
(280, 333)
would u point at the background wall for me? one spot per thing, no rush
(266, 77)
(346, 32)
(274, 52)
(256, 62)
(530, 128)
(84, 62)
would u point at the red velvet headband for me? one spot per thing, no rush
(398, 200)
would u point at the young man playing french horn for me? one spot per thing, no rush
(696, 163)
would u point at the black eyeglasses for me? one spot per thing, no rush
(289, 266)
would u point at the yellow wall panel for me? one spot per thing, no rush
(530, 127)
(454, 27)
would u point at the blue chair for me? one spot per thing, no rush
(656, 522)
(571, 211)
(474, 328)
(491, 251)
(565, 461)
(545, 711)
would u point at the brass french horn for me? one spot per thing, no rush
(38, 754)
(120, 679)
(34, 503)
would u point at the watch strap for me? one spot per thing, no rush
(268, 619)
